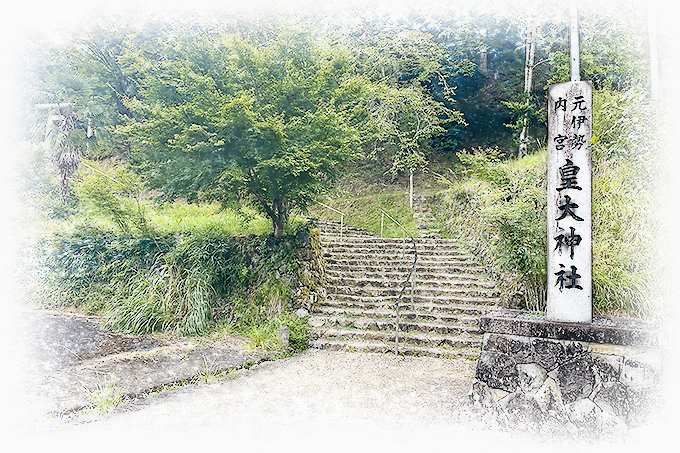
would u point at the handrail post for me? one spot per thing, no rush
(396, 332)
(382, 224)
(342, 216)
(413, 290)
(411, 272)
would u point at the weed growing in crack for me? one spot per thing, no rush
(263, 337)
(106, 396)
(209, 374)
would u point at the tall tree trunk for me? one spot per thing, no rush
(529, 51)
(410, 188)
(66, 155)
(279, 216)
(483, 58)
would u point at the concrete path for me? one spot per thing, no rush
(314, 400)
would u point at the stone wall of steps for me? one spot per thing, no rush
(365, 275)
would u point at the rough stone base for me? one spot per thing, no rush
(579, 387)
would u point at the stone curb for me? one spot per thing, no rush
(135, 374)
(610, 330)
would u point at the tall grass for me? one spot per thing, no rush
(164, 298)
(364, 212)
(499, 208)
(181, 283)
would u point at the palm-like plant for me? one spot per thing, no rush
(67, 148)
(70, 141)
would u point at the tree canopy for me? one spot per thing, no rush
(269, 109)
(227, 119)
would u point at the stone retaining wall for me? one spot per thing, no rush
(311, 285)
(599, 378)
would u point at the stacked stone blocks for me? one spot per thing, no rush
(581, 386)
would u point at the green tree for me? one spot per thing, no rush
(230, 120)
(400, 66)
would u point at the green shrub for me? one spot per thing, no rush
(299, 337)
(499, 208)
(180, 283)
(88, 267)
(114, 195)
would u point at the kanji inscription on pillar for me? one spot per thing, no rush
(569, 272)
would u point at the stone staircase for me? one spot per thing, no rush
(365, 274)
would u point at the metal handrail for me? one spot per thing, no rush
(415, 258)
(342, 216)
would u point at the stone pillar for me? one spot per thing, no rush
(569, 270)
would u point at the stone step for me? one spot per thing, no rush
(332, 228)
(384, 348)
(422, 253)
(430, 235)
(407, 338)
(423, 248)
(357, 244)
(386, 324)
(371, 238)
(422, 274)
(471, 306)
(419, 291)
(405, 314)
(464, 270)
(432, 254)
(357, 260)
(332, 233)
(401, 258)
(389, 280)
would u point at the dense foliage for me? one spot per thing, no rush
(270, 108)
(190, 283)
(500, 209)
(262, 113)
(223, 119)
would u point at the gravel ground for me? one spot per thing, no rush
(317, 399)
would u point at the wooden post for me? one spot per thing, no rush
(653, 51)
(574, 41)
(382, 225)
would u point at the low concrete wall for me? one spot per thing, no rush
(599, 378)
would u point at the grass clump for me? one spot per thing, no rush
(499, 207)
(209, 373)
(106, 396)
